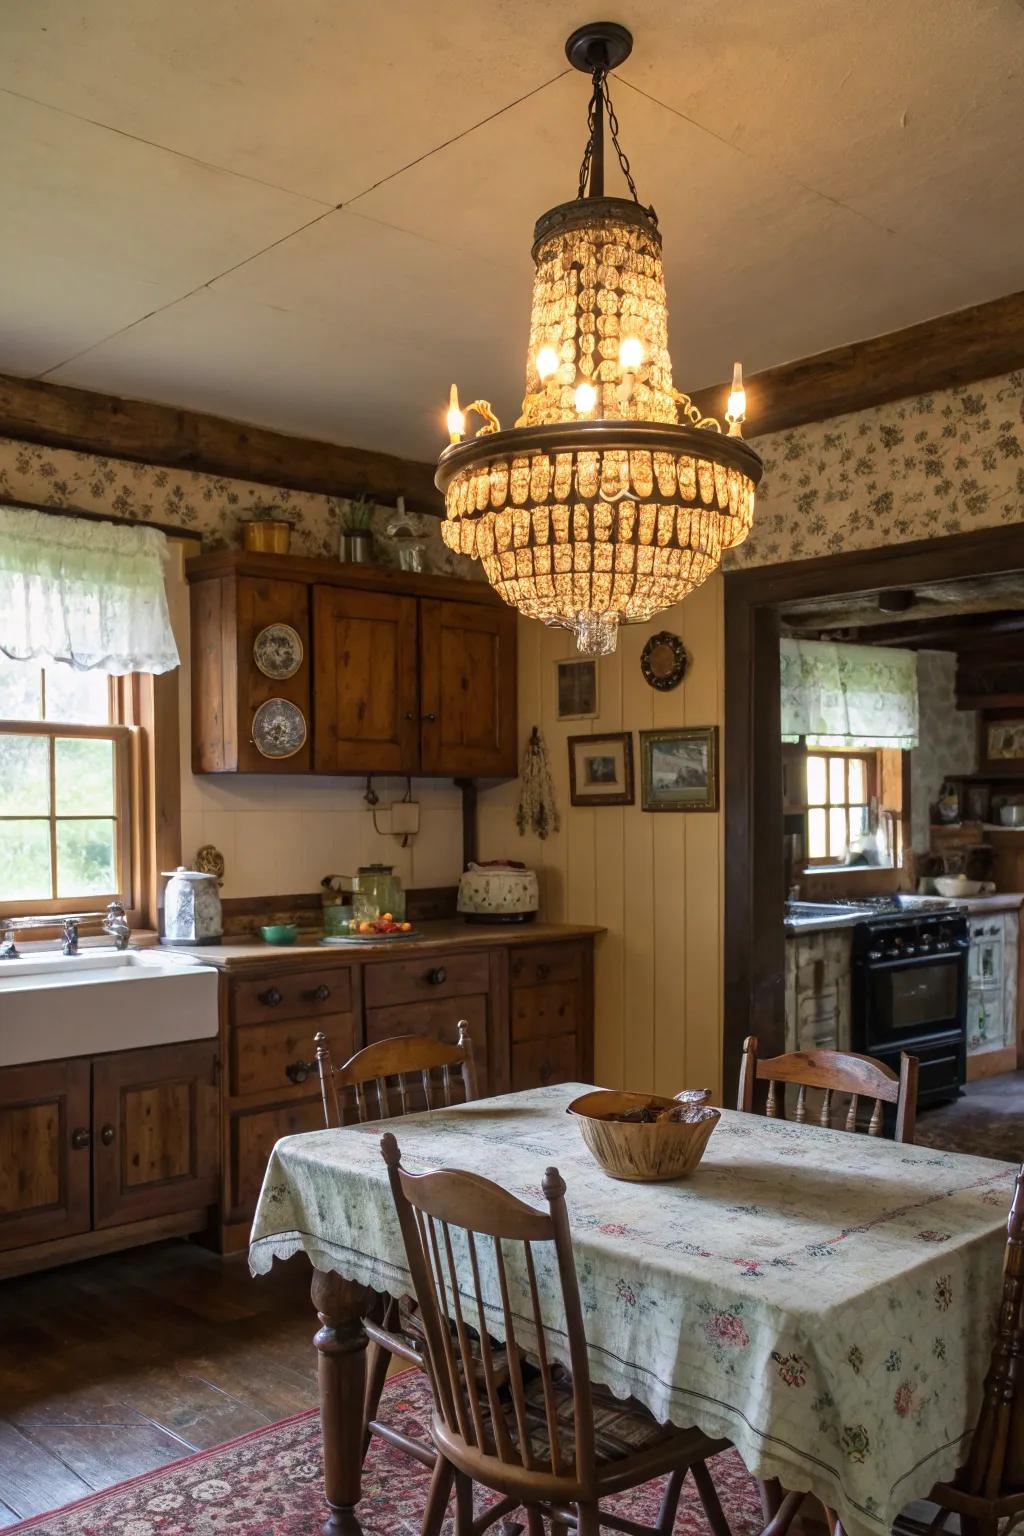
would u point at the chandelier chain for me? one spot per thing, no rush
(592, 111)
(613, 127)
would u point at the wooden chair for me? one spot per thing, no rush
(543, 1438)
(834, 1072)
(417, 1071)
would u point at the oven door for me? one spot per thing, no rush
(917, 998)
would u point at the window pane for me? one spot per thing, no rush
(25, 865)
(20, 689)
(837, 832)
(837, 780)
(858, 781)
(83, 697)
(817, 843)
(858, 819)
(85, 857)
(24, 776)
(816, 781)
(85, 777)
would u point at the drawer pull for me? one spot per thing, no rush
(431, 717)
(438, 976)
(320, 994)
(107, 1135)
(80, 1138)
(543, 971)
(271, 997)
(298, 1071)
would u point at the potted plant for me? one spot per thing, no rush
(356, 532)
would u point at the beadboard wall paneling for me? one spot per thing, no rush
(652, 880)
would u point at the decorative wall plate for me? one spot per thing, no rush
(663, 661)
(278, 728)
(277, 651)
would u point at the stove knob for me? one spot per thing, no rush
(874, 954)
(893, 951)
(926, 941)
(910, 950)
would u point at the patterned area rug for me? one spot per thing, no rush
(987, 1122)
(270, 1484)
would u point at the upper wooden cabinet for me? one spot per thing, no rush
(364, 669)
(467, 689)
(399, 673)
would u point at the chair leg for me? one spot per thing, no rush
(709, 1498)
(534, 1522)
(670, 1502)
(377, 1361)
(588, 1520)
(463, 1505)
(437, 1499)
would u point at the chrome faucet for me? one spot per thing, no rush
(70, 944)
(116, 924)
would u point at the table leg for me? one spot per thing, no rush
(341, 1347)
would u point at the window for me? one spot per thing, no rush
(65, 805)
(838, 790)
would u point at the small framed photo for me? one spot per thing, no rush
(576, 689)
(679, 769)
(1002, 745)
(601, 769)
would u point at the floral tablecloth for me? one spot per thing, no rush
(824, 1300)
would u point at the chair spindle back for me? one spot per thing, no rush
(395, 1077)
(832, 1072)
(474, 1424)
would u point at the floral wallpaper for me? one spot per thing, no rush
(210, 505)
(918, 468)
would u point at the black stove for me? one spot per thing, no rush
(910, 988)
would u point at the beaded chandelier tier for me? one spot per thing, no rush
(612, 497)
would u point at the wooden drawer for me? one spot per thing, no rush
(540, 1012)
(438, 1017)
(545, 962)
(269, 1057)
(413, 981)
(293, 994)
(253, 1135)
(538, 1062)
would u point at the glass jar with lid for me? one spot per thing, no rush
(378, 890)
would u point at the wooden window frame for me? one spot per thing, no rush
(800, 754)
(145, 732)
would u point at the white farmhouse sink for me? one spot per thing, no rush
(54, 1005)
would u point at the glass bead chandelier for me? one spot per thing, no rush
(612, 497)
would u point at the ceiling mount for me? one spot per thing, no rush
(599, 45)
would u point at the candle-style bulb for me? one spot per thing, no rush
(456, 418)
(736, 410)
(585, 398)
(547, 363)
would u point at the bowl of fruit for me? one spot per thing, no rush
(373, 930)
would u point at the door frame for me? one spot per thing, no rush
(754, 950)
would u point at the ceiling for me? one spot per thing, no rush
(314, 216)
(976, 610)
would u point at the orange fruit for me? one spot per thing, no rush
(407, 927)
(386, 917)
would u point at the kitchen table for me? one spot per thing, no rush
(824, 1300)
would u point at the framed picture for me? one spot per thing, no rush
(601, 769)
(1002, 744)
(576, 689)
(679, 769)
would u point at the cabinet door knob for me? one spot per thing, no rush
(430, 717)
(320, 994)
(438, 976)
(410, 714)
(298, 1071)
(80, 1138)
(107, 1135)
(271, 997)
(543, 972)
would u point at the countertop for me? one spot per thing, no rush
(447, 935)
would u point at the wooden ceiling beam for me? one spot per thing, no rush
(59, 417)
(969, 344)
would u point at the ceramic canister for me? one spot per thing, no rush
(192, 913)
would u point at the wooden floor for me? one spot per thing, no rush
(121, 1364)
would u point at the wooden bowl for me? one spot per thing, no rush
(641, 1153)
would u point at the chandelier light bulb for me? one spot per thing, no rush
(736, 409)
(585, 398)
(547, 362)
(631, 352)
(456, 418)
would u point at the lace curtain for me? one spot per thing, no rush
(848, 695)
(88, 593)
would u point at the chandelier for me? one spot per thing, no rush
(612, 497)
